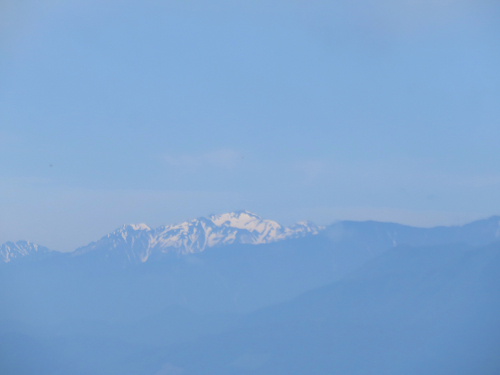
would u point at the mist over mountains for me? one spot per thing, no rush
(238, 294)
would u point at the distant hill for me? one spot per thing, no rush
(431, 310)
(411, 310)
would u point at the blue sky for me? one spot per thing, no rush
(124, 112)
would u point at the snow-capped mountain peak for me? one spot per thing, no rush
(141, 226)
(129, 228)
(138, 242)
(241, 220)
(13, 250)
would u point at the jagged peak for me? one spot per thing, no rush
(240, 219)
(196, 235)
(21, 244)
(10, 250)
(140, 226)
(131, 227)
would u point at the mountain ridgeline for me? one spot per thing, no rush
(238, 294)
(136, 243)
(11, 251)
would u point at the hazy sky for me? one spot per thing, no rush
(116, 112)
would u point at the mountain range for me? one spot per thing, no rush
(236, 294)
(137, 242)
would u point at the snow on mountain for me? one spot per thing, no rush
(138, 242)
(129, 241)
(10, 250)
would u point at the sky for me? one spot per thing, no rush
(115, 112)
